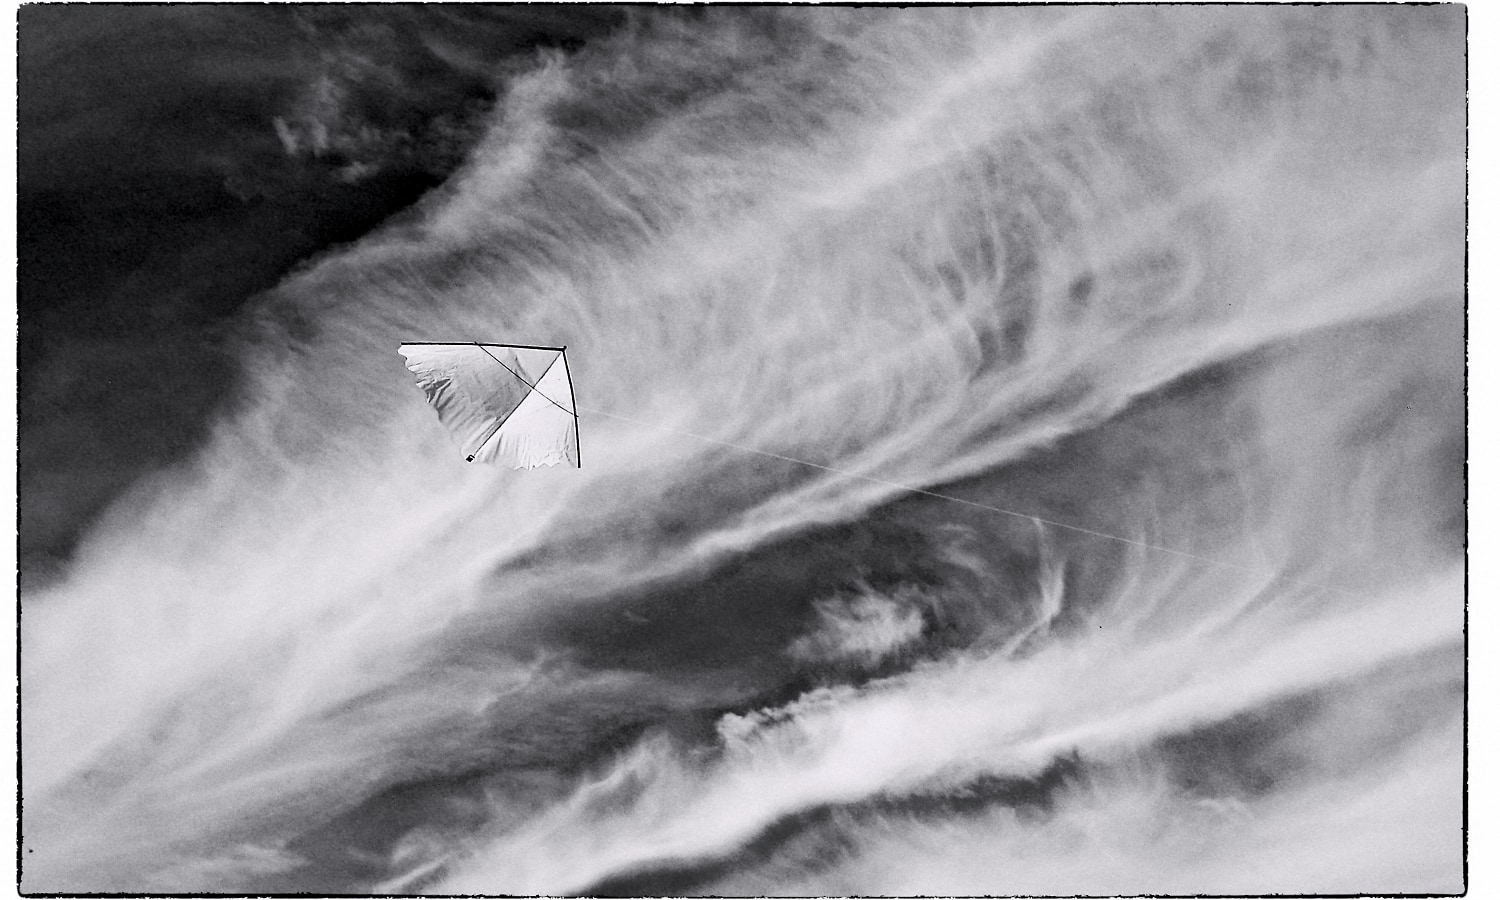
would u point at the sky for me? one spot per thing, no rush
(1025, 451)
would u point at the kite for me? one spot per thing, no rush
(503, 403)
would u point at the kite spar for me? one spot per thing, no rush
(503, 403)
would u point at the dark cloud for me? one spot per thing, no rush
(175, 161)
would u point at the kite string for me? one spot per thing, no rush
(881, 481)
(916, 490)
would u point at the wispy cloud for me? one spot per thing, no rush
(1182, 279)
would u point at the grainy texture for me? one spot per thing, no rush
(1022, 452)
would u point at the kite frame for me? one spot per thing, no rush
(577, 439)
(480, 344)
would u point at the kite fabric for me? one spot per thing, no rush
(502, 403)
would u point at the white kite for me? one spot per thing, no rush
(505, 403)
